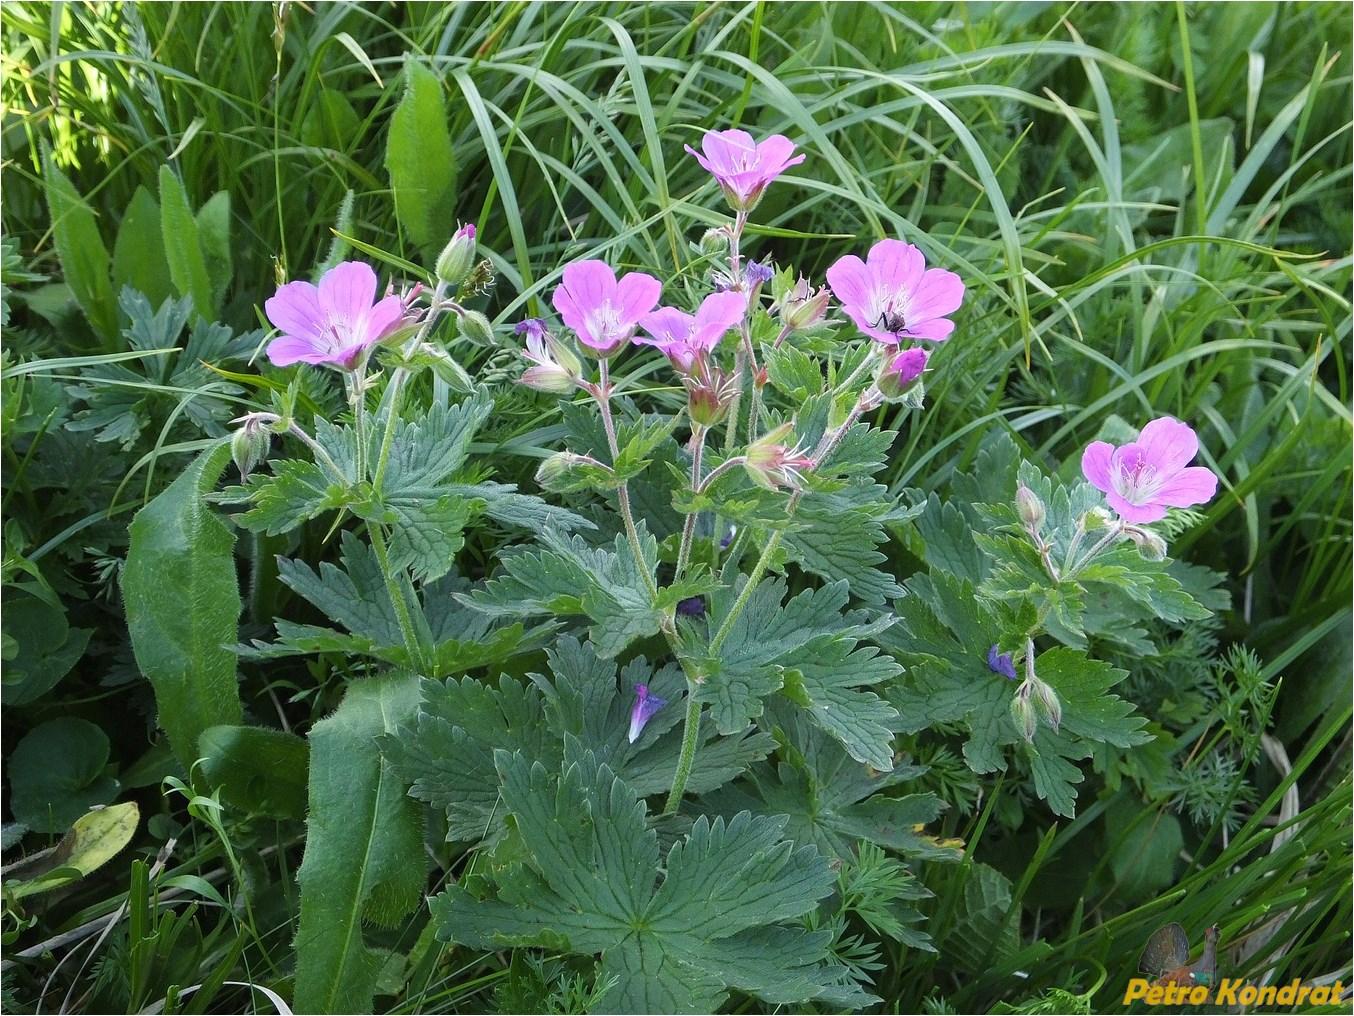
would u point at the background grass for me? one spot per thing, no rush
(1151, 209)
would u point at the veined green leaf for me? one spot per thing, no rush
(183, 249)
(421, 162)
(183, 604)
(364, 855)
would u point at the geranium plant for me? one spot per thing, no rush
(651, 730)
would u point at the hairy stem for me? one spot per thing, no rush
(687, 758)
(603, 396)
(396, 592)
(689, 530)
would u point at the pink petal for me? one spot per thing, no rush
(934, 330)
(1130, 512)
(939, 293)
(867, 326)
(590, 283)
(726, 149)
(295, 309)
(347, 291)
(1095, 465)
(1195, 485)
(288, 349)
(667, 325)
(700, 158)
(1168, 445)
(775, 153)
(720, 311)
(897, 264)
(851, 283)
(384, 318)
(637, 294)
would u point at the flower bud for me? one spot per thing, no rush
(715, 243)
(772, 465)
(554, 368)
(476, 327)
(563, 472)
(802, 308)
(1149, 544)
(479, 281)
(710, 392)
(1046, 700)
(1023, 714)
(458, 257)
(1031, 509)
(1096, 518)
(249, 446)
(902, 373)
(756, 274)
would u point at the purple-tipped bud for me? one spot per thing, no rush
(458, 257)
(532, 328)
(644, 708)
(902, 372)
(1031, 509)
(757, 274)
(1001, 663)
(692, 606)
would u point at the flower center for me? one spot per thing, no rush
(605, 321)
(1138, 480)
(892, 311)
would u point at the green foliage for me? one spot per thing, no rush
(590, 885)
(364, 857)
(56, 774)
(183, 603)
(182, 245)
(258, 769)
(84, 257)
(420, 160)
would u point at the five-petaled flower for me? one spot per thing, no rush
(334, 323)
(684, 338)
(1145, 477)
(892, 295)
(742, 167)
(642, 711)
(602, 311)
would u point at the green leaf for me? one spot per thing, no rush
(1144, 848)
(139, 252)
(588, 887)
(426, 535)
(47, 649)
(258, 770)
(981, 931)
(56, 774)
(183, 248)
(84, 257)
(420, 160)
(364, 856)
(297, 491)
(831, 800)
(183, 603)
(213, 230)
(810, 638)
(569, 577)
(837, 536)
(796, 374)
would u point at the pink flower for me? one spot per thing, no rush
(892, 296)
(603, 312)
(685, 339)
(642, 711)
(742, 167)
(1144, 477)
(334, 323)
